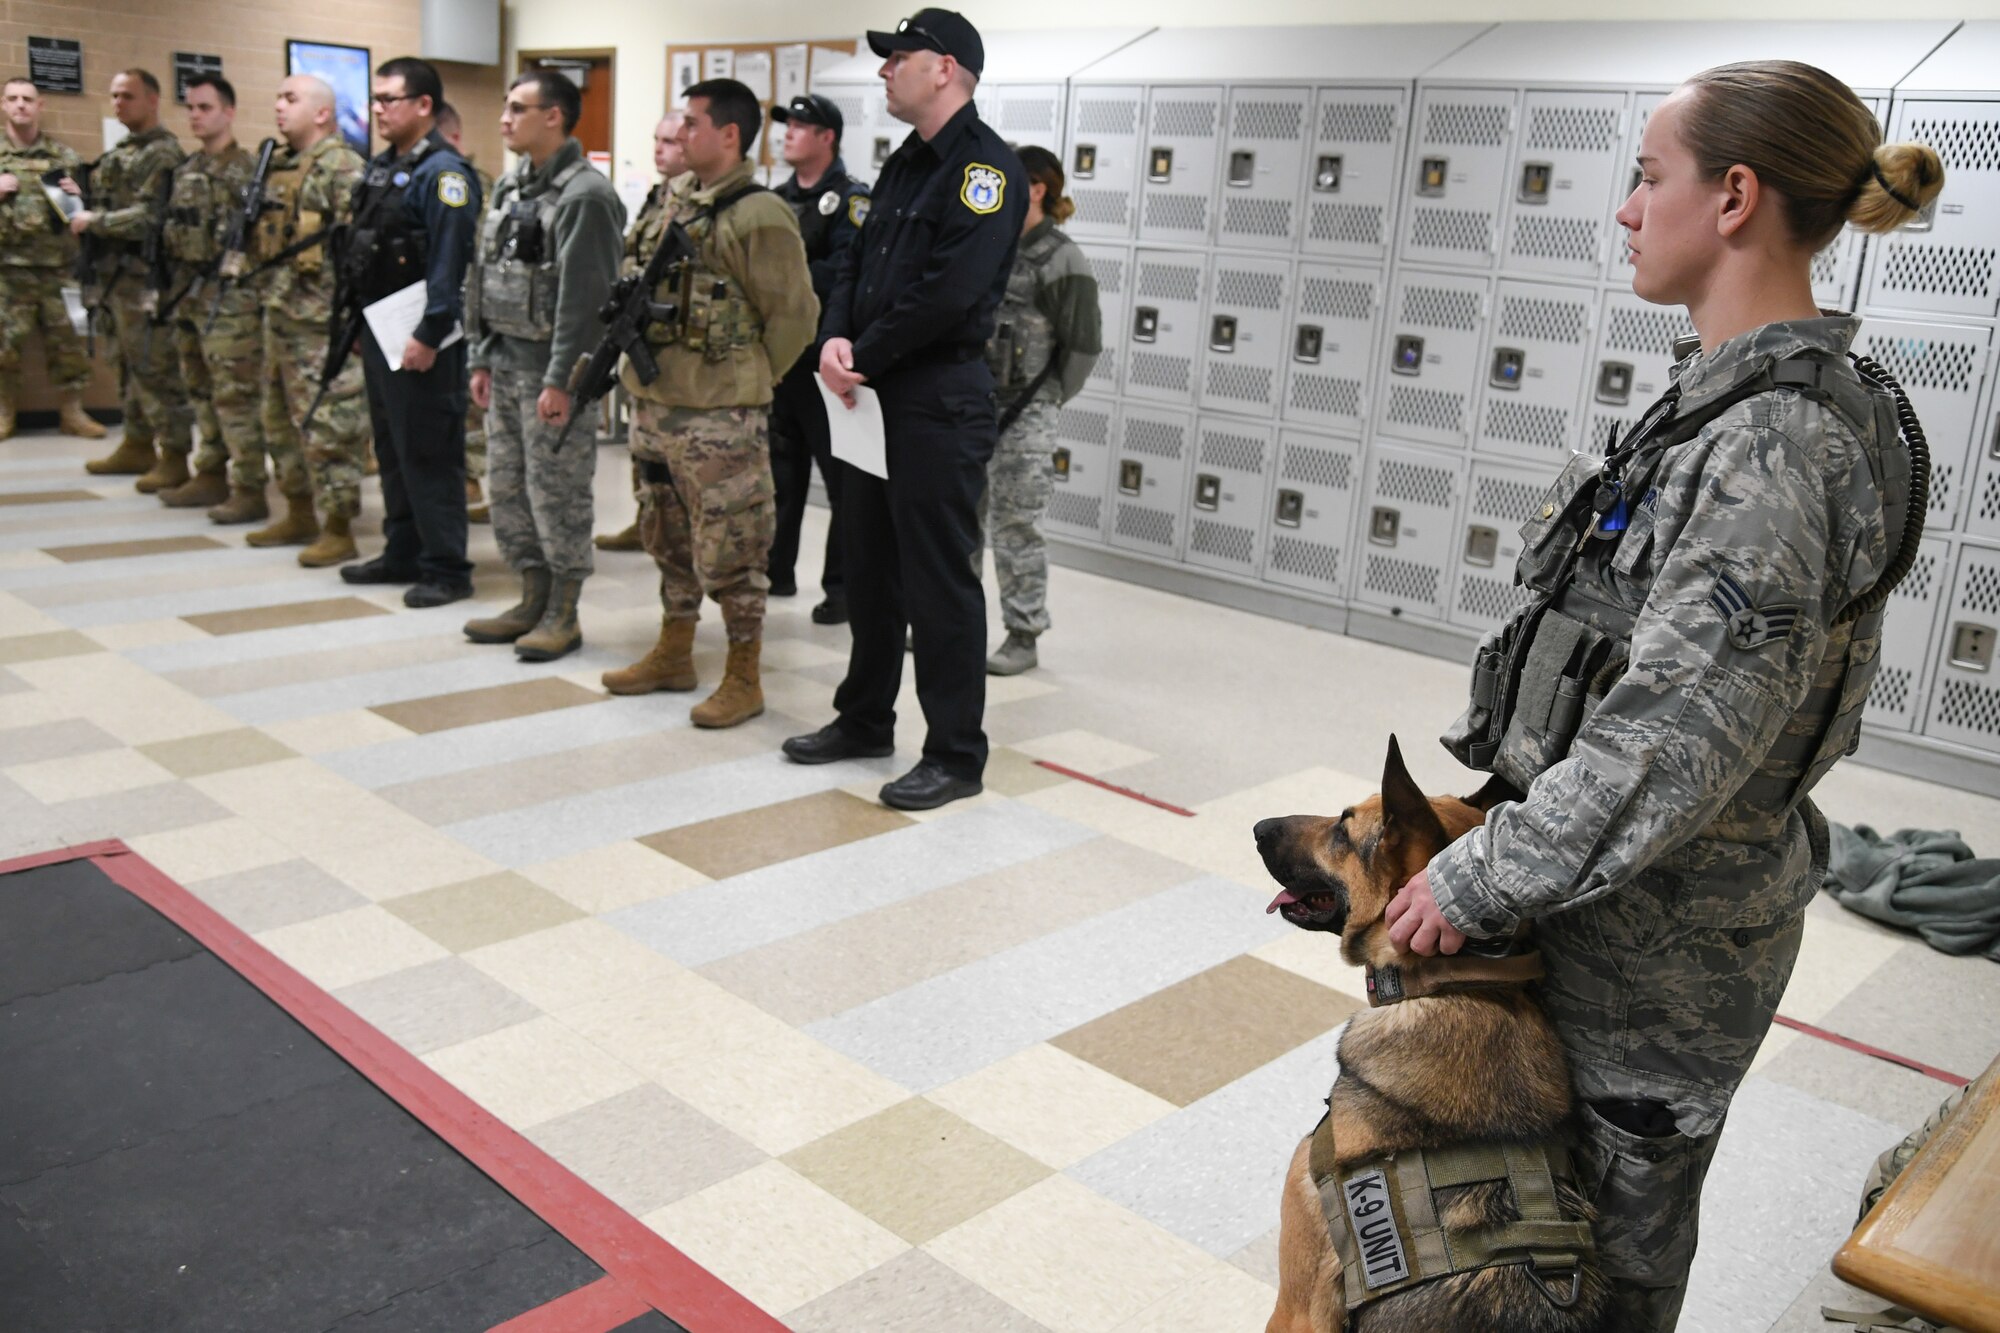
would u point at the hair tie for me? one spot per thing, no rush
(1891, 190)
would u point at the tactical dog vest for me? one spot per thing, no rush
(516, 293)
(715, 317)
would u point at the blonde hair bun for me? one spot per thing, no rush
(1901, 182)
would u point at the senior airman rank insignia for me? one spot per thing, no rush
(1750, 626)
(857, 209)
(985, 189)
(452, 189)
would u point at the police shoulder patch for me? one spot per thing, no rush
(857, 209)
(985, 188)
(453, 190)
(1750, 626)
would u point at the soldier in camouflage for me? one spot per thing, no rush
(219, 365)
(36, 255)
(699, 431)
(125, 200)
(1696, 658)
(1046, 338)
(452, 126)
(548, 253)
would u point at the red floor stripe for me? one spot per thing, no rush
(597, 1308)
(1918, 1066)
(643, 1263)
(1112, 786)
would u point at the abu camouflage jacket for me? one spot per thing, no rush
(1051, 301)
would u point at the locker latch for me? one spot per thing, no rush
(1508, 364)
(882, 150)
(1614, 382)
(1207, 491)
(1383, 525)
(1409, 355)
(1535, 180)
(1972, 647)
(1993, 448)
(1161, 169)
(1145, 324)
(1482, 546)
(1084, 165)
(1222, 334)
(1431, 178)
(1924, 220)
(1291, 509)
(1131, 476)
(1061, 459)
(1307, 343)
(1242, 169)
(1326, 176)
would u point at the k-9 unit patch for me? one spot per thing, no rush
(985, 189)
(1750, 626)
(1373, 1217)
(452, 190)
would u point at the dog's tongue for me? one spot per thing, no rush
(1284, 896)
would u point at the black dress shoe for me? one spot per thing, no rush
(928, 786)
(830, 744)
(436, 594)
(832, 611)
(378, 570)
(784, 587)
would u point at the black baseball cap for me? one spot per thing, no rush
(811, 109)
(944, 31)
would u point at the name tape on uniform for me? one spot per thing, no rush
(1374, 1221)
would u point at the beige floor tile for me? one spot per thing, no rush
(224, 847)
(124, 698)
(751, 839)
(42, 647)
(491, 703)
(284, 616)
(1014, 689)
(1224, 1298)
(83, 775)
(570, 964)
(482, 911)
(217, 752)
(1834, 959)
(619, 874)
(1776, 1042)
(793, 654)
(912, 1293)
(531, 1072)
(1084, 751)
(1051, 1105)
(437, 1004)
(916, 1168)
(31, 709)
(1315, 955)
(351, 946)
(1012, 773)
(317, 666)
(11, 498)
(733, 1062)
(775, 1236)
(27, 559)
(127, 549)
(1070, 1258)
(18, 617)
(144, 633)
(327, 732)
(645, 1148)
(1260, 1259)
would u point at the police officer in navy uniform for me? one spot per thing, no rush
(831, 207)
(416, 219)
(911, 310)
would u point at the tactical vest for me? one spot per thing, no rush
(817, 217)
(1538, 680)
(45, 241)
(195, 210)
(715, 317)
(516, 292)
(1024, 339)
(284, 220)
(383, 250)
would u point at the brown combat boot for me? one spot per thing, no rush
(519, 618)
(130, 458)
(335, 545)
(203, 490)
(670, 666)
(244, 505)
(740, 697)
(73, 420)
(168, 471)
(557, 633)
(296, 528)
(627, 540)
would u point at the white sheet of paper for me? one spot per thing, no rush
(395, 317)
(856, 433)
(753, 71)
(79, 316)
(791, 74)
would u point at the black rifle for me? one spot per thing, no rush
(159, 265)
(234, 260)
(627, 314)
(1020, 404)
(343, 324)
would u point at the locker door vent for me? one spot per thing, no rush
(1107, 116)
(1989, 500)
(1318, 467)
(1305, 560)
(1155, 527)
(1169, 282)
(1507, 499)
(1160, 439)
(850, 108)
(1331, 395)
(1245, 288)
(1552, 236)
(1239, 382)
(1102, 208)
(1109, 275)
(1414, 483)
(1153, 370)
(1084, 426)
(1028, 113)
(1358, 122)
(1922, 580)
(1076, 510)
(1489, 598)
(1345, 224)
(1335, 298)
(1176, 212)
(1927, 363)
(1826, 266)
(1232, 453)
(1572, 129)
(1982, 590)
(1528, 423)
(1468, 230)
(1890, 691)
(1430, 409)
(1945, 270)
(1256, 217)
(1964, 145)
(1224, 541)
(1944, 487)
(1283, 121)
(1542, 319)
(1476, 125)
(1969, 707)
(1184, 120)
(1648, 330)
(1404, 580)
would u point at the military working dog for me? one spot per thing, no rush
(1435, 1196)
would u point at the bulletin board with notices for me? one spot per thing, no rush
(775, 71)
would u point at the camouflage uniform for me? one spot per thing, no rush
(475, 415)
(219, 367)
(298, 299)
(1666, 860)
(36, 251)
(1051, 304)
(645, 225)
(540, 497)
(124, 192)
(700, 431)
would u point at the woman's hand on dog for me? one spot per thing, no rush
(1416, 924)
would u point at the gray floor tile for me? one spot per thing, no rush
(912, 1293)
(645, 1148)
(1929, 1006)
(276, 895)
(434, 1005)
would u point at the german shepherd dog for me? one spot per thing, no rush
(1457, 1067)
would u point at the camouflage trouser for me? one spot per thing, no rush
(1019, 478)
(707, 508)
(540, 499)
(31, 301)
(210, 454)
(475, 443)
(234, 350)
(155, 400)
(294, 351)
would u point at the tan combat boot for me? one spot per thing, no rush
(203, 490)
(335, 545)
(168, 471)
(519, 618)
(296, 528)
(131, 457)
(740, 697)
(244, 505)
(557, 633)
(73, 420)
(670, 666)
(627, 540)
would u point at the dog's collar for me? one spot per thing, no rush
(1446, 974)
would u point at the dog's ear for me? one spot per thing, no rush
(1497, 791)
(1404, 806)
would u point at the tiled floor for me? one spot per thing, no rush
(1033, 1062)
